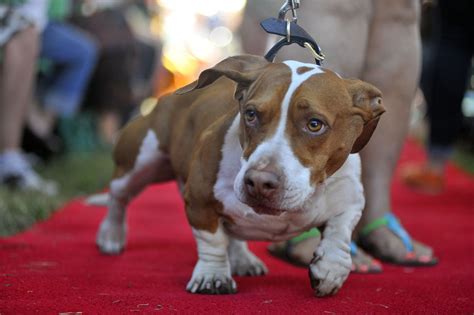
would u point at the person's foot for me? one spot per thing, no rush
(109, 126)
(298, 254)
(301, 253)
(363, 262)
(422, 178)
(388, 247)
(16, 172)
(387, 240)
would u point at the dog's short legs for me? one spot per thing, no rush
(242, 261)
(212, 273)
(111, 236)
(150, 165)
(332, 260)
(112, 231)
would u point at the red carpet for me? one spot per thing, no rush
(55, 267)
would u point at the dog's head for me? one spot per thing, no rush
(298, 124)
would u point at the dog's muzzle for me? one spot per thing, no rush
(261, 185)
(262, 189)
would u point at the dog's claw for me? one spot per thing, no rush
(110, 248)
(194, 287)
(313, 280)
(111, 238)
(326, 277)
(249, 265)
(212, 285)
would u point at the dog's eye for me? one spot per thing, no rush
(316, 126)
(250, 115)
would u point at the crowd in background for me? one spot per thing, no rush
(73, 72)
(448, 47)
(61, 59)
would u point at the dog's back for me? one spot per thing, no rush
(180, 120)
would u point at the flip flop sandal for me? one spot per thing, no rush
(393, 224)
(285, 253)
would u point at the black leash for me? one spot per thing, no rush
(291, 31)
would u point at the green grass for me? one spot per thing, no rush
(464, 160)
(76, 175)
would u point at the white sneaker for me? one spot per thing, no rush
(15, 170)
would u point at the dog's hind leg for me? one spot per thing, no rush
(112, 231)
(242, 261)
(138, 163)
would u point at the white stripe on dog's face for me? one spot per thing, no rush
(297, 185)
(296, 81)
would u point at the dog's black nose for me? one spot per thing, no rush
(261, 184)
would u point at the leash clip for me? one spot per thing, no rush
(287, 6)
(319, 57)
(291, 32)
(288, 31)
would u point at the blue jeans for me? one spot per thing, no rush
(73, 54)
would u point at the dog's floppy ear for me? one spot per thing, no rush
(367, 100)
(242, 69)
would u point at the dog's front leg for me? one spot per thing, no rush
(243, 262)
(332, 260)
(212, 273)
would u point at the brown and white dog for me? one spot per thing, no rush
(261, 151)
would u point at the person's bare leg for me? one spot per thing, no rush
(16, 83)
(40, 121)
(393, 65)
(109, 126)
(341, 28)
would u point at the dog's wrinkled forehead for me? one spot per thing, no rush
(300, 72)
(271, 137)
(291, 73)
(272, 95)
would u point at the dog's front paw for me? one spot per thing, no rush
(247, 264)
(111, 237)
(211, 283)
(327, 275)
